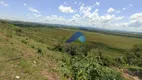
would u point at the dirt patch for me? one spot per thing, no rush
(50, 75)
(127, 75)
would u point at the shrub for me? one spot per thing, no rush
(9, 35)
(134, 56)
(87, 68)
(18, 30)
(40, 51)
(32, 46)
(73, 49)
(24, 41)
(3, 22)
(120, 61)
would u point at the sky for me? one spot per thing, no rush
(125, 15)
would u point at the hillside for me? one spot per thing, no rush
(39, 53)
(22, 56)
(116, 39)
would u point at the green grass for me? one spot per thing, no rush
(49, 35)
(17, 56)
(21, 47)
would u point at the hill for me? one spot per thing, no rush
(39, 53)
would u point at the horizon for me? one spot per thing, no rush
(73, 26)
(110, 15)
(76, 26)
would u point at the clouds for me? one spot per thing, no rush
(34, 14)
(118, 11)
(120, 18)
(25, 4)
(31, 9)
(88, 15)
(76, 16)
(134, 23)
(106, 19)
(136, 16)
(85, 10)
(81, 3)
(97, 3)
(84, 14)
(129, 6)
(55, 19)
(124, 9)
(136, 20)
(66, 9)
(37, 15)
(75, 2)
(110, 10)
(3, 3)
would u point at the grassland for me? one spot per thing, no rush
(26, 51)
(20, 56)
(50, 34)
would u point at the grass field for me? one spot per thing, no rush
(50, 34)
(25, 52)
(19, 56)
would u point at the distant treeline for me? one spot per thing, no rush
(116, 33)
(30, 24)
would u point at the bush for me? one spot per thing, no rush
(134, 56)
(40, 51)
(9, 35)
(24, 41)
(18, 30)
(3, 22)
(120, 61)
(87, 68)
(32, 46)
(73, 49)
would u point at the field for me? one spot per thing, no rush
(33, 53)
(121, 42)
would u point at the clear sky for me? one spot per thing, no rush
(108, 14)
